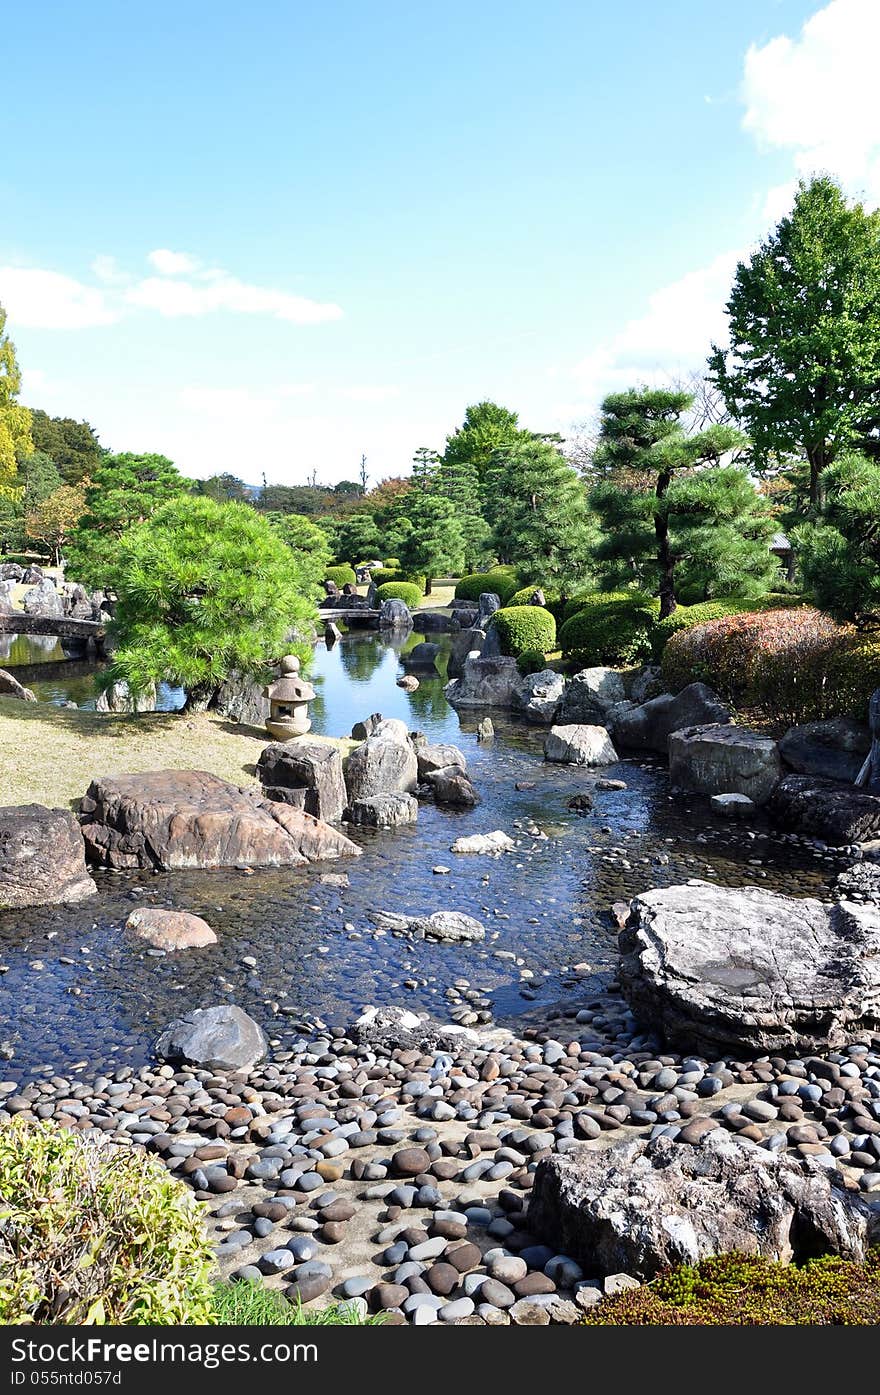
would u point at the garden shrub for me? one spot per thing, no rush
(524, 627)
(593, 598)
(746, 1291)
(794, 664)
(95, 1232)
(685, 617)
(610, 629)
(382, 575)
(531, 661)
(341, 573)
(501, 580)
(392, 563)
(405, 591)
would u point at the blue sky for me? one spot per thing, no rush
(271, 238)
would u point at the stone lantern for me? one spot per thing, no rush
(289, 697)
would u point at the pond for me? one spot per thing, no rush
(75, 990)
(39, 662)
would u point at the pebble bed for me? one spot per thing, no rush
(399, 1181)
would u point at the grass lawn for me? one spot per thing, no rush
(49, 755)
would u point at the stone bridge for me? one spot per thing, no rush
(75, 635)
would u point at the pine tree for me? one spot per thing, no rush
(543, 524)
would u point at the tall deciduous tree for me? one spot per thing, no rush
(15, 420)
(124, 490)
(839, 556)
(542, 520)
(486, 428)
(309, 543)
(802, 368)
(657, 512)
(72, 445)
(52, 519)
(204, 590)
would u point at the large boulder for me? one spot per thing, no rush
(644, 1205)
(381, 765)
(579, 745)
(466, 641)
(10, 687)
(436, 620)
(721, 759)
(43, 599)
(119, 698)
(422, 655)
(383, 811)
(240, 699)
(215, 1038)
(11, 571)
(453, 787)
(170, 930)
(484, 682)
(42, 858)
(438, 756)
(823, 809)
(589, 695)
(394, 615)
(538, 695)
(188, 818)
(834, 749)
(718, 969)
(648, 727)
(306, 774)
(487, 605)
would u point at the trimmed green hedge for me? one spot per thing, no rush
(531, 661)
(405, 591)
(501, 580)
(341, 573)
(392, 563)
(524, 627)
(382, 575)
(610, 629)
(590, 599)
(686, 616)
(96, 1232)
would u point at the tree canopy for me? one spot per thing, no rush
(802, 368)
(839, 554)
(15, 420)
(424, 532)
(124, 490)
(204, 590)
(72, 446)
(542, 521)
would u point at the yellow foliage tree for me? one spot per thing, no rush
(15, 420)
(52, 520)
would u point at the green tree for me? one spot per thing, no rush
(839, 555)
(424, 467)
(355, 538)
(204, 590)
(15, 420)
(642, 450)
(72, 445)
(542, 521)
(458, 481)
(124, 490)
(223, 488)
(38, 477)
(485, 429)
(309, 543)
(295, 498)
(802, 368)
(425, 533)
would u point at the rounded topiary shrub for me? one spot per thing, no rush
(500, 580)
(405, 591)
(392, 563)
(531, 661)
(382, 575)
(342, 574)
(96, 1232)
(576, 604)
(524, 627)
(610, 631)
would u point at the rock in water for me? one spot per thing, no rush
(579, 745)
(724, 759)
(170, 930)
(834, 750)
(486, 843)
(306, 774)
(732, 806)
(538, 695)
(10, 687)
(189, 818)
(383, 811)
(42, 858)
(451, 926)
(589, 696)
(717, 969)
(824, 809)
(484, 682)
(438, 757)
(648, 728)
(643, 1205)
(381, 765)
(453, 787)
(409, 683)
(215, 1038)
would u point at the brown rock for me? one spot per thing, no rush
(171, 930)
(42, 858)
(409, 1162)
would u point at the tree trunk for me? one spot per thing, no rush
(665, 560)
(427, 585)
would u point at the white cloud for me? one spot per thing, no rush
(816, 94)
(171, 263)
(109, 272)
(366, 393)
(175, 298)
(39, 299)
(673, 336)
